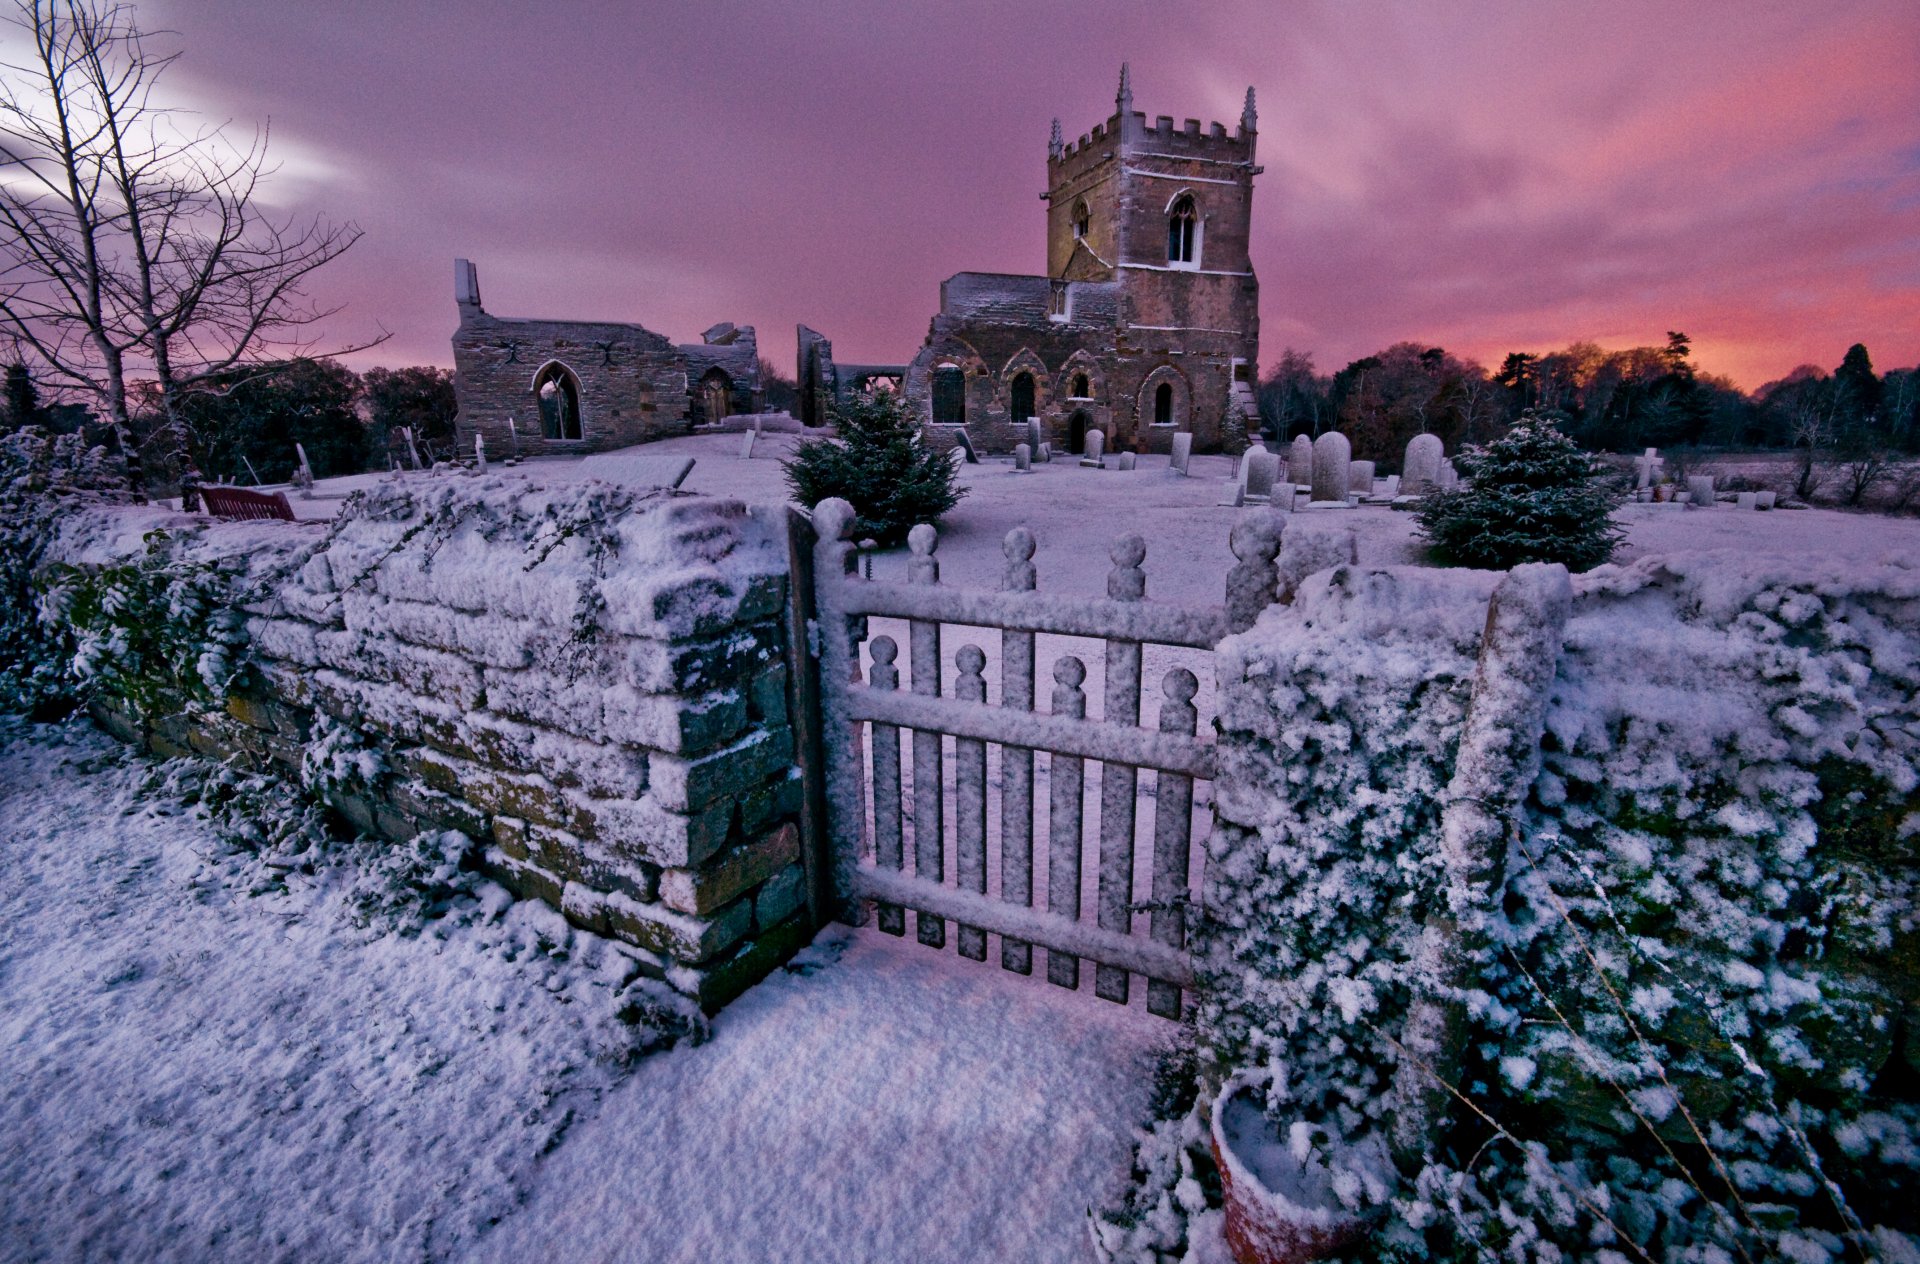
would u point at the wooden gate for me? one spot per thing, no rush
(888, 845)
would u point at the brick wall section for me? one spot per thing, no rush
(643, 785)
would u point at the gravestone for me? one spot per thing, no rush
(1390, 486)
(1701, 488)
(1764, 500)
(1449, 477)
(479, 453)
(1034, 436)
(1127, 460)
(1263, 469)
(746, 444)
(1022, 459)
(303, 472)
(1647, 469)
(1420, 472)
(966, 445)
(413, 452)
(1046, 453)
(1747, 500)
(1182, 452)
(1361, 474)
(1300, 461)
(1332, 475)
(1096, 450)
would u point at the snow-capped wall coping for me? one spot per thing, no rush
(589, 679)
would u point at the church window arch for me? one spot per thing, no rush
(1183, 232)
(1081, 387)
(1020, 399)
(1082, 219)
(557, 392)
(1163, 404)
(949, 395)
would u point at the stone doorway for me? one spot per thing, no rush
(1077, 432)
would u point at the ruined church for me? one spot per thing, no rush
(542, 387)
(1145, 324)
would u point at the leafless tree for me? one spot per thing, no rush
(1813, 432)
(134, 243)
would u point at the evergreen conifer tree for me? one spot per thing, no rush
(880, 465)
(1534, 496)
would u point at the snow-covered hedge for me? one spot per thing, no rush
(590, 680)
(1686, 1026)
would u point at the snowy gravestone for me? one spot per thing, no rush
(1096, 448)
(1332, 478)
(1420, 472)
(1182, 452)
(1128, 461)
(480, 453)
(1700, 489)
(1765, 500)
(303, 473)
(1263, 468)
(966, 445)
(1033, 435)
(1449, 477)
(1246, 459)
(1045, 454)
(1747, 500)
(1646, 469)
(1360, 477)
(1300, 462)
(1389, 487)
(746, 444)
(413, 452)
(1022, 459)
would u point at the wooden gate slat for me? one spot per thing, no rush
(1067, 775)
(1119, 783)
(1172, 842)
(1016, 762)
(1088, 739)
(1038, 612)
(929, 779)
(886, 782)
(1036, 926)
(970, 808)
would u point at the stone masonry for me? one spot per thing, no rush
(641, 781)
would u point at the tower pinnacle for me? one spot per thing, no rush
(1054, 145)
(1125, 99)
(1247, 115)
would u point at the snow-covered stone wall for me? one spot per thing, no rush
(589, 680)
(1678, 945)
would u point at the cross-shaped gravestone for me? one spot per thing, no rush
(1647, 468)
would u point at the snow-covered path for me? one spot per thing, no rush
(193, 1073)
(895, 1104)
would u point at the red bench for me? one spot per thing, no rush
(238, 502)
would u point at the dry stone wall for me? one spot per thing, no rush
(590, 681)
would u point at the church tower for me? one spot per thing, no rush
(1166, 213)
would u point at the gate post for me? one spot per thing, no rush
(827, 637)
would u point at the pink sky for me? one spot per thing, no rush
(1483, 176)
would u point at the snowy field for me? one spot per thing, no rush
(195, 1072)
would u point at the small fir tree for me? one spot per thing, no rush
(880, 465)
(1534, 496)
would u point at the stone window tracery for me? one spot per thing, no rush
(1181, 222)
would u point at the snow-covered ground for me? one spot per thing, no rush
(194, 1072)
(1075, 513)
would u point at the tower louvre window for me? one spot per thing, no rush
(1180, 226)
(1082, 220)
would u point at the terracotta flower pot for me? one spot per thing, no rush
(1278, 1210)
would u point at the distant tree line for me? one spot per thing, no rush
(242, 425)
(1607, 401)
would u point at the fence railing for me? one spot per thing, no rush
(1125, 621)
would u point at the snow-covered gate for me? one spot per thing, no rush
(881, 845)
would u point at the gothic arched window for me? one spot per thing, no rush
(1082, 219)
(1180, 225)
(1021, 404)
(1080, 386)
(949, 396)
(559, 397)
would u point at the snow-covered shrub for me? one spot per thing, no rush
(1686, 1039)
(1534, 496)
(42, 475)
(881, 465)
